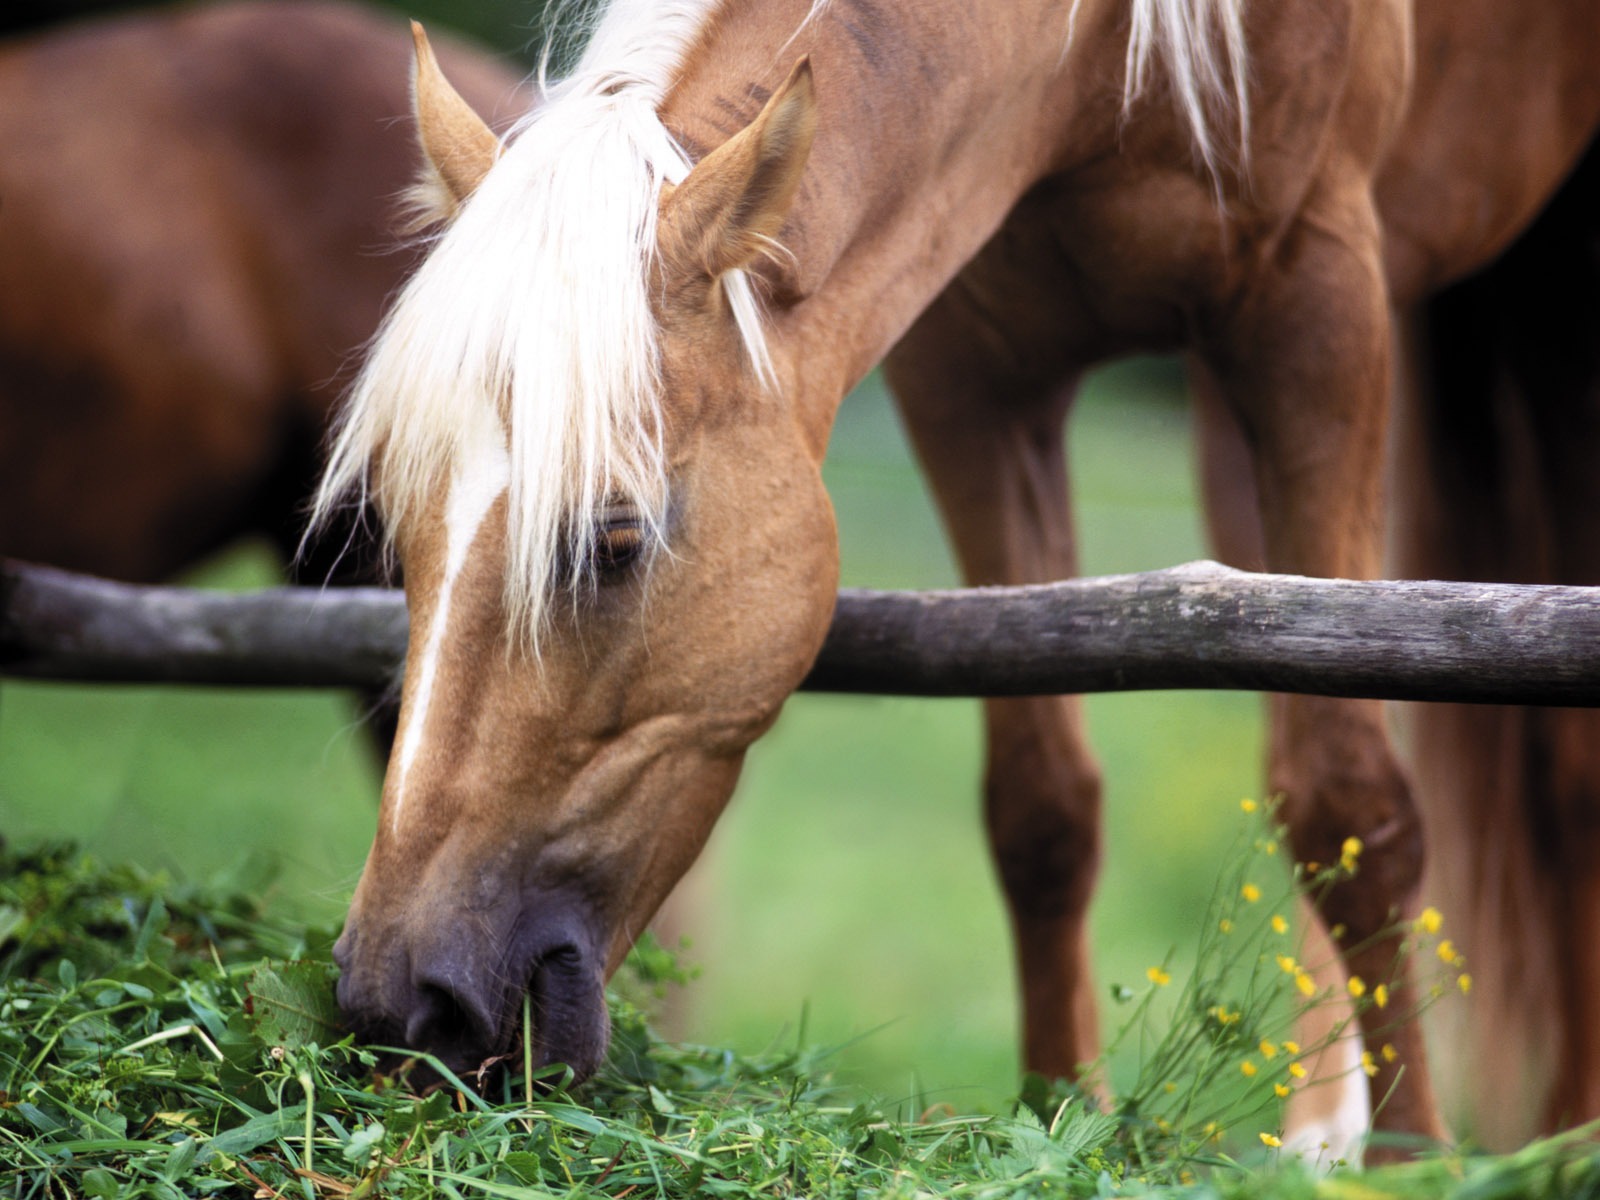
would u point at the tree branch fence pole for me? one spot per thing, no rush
(1196, 626)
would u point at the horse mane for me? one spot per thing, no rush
(534, 301)
(533, 306)
(1200, 47)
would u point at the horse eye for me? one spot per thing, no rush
(619, 542)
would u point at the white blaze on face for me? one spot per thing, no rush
(482, 472)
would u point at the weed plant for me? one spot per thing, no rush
(162, 1039)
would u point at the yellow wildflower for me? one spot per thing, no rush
(1250, 892)
(1306, 984)
(1268, 1140)
(1389, 1053)
(1287, 964)
(1279, 925)
(1349, 852)
(1430, 919)
(1281, 1089)
(1247, 1069)
(1271, 847)
(1380, 995)
(1368, 1064)
(1447, 951)
(1464, 982)
(1157, 976)
(1268, 1050)
(1225, 925)
(1291, 1047)
(1298, 1070)
(1357, 986)
(1169, 1087)
(1248, 806)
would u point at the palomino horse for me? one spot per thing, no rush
(593, 423)
(196, 231)
(1497, 431)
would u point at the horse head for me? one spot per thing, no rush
(619, 559)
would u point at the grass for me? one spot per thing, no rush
(162, 1039)
(848, 881)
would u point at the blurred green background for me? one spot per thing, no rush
(848, 886)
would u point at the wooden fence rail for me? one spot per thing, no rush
(1194, 626)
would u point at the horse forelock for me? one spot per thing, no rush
(535, 303)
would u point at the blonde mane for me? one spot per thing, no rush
(532, 314)
(534, 302)
(1200, 45)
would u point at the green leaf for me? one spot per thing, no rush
(293, 1005)
(180, 1160)
(525, 1166)
(660, 1102)
(254, 1133)
(99, 1183)
(363, 1141)
(11, 920)
(155, 923)
(1080, 1129)
(44, 1122)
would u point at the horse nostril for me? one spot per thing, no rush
(452, 1026)
(564, 960)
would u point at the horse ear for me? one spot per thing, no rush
(458, 148)
(731, 206)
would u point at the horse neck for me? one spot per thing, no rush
(929, 131)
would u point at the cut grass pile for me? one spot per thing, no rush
(164, 1039)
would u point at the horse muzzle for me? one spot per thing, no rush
(458, 993)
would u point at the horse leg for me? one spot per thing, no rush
(991, 443)
(1304, 359)
(1327, 1118)
(1225, 468)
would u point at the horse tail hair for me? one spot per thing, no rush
(1495, 479)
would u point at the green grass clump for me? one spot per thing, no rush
(146, 1049)
(164, 1039)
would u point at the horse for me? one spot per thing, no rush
(1494, 431)
(1495, 480)
(593, 419)
(196, 234)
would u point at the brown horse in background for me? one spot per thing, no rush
(196, 233)
(1497, 477)
(597, 453)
